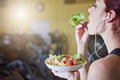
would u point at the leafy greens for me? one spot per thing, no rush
(76, 19)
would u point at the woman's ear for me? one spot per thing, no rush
(111, 15)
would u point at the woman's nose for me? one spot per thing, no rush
(90, 9)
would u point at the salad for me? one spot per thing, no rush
(77, 19)
(65, 60)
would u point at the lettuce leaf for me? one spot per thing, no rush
(76, 19)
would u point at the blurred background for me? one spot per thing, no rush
(30, 30)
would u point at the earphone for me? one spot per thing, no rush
(106, 18)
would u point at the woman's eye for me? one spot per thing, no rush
(94, 5)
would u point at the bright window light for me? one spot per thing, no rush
(20, 14)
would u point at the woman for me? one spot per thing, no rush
(104, 20)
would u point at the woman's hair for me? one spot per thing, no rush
(113, 5)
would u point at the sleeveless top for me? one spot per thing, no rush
(115, 51)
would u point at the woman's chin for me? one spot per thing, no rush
(91, 32)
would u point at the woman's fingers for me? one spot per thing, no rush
(81, 33)
(80, 29)
(61, 74)
(66, 75)
(82, 25)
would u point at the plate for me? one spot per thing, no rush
(65, 68)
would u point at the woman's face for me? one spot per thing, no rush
(97, 14)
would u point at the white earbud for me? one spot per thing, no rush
(106, 18)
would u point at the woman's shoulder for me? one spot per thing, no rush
(109, 61)
(103, 68)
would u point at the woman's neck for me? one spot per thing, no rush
(111, 39)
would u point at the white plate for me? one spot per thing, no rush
(64, 68)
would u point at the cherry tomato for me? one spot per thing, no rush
(67, 56)
(69, 63)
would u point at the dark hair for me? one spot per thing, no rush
(113, 5)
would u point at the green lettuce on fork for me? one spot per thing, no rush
(77, 19)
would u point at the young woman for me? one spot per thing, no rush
(104, 19)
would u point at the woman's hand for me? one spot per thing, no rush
(81, 33)
(81, 36)
(68, 75)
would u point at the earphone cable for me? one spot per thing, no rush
(96, 50)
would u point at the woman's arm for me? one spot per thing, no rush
(84, 70)
(82, 37)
